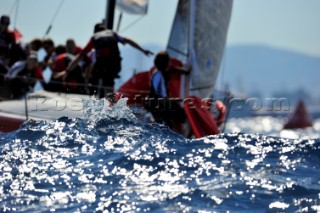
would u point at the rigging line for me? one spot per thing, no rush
(53, 18)
(16, 15)
(73, 83)
(223, 67)
(226, 90)
(119, 21)
(12, 7)
(132, 24)
(26, 106)
(228, 105)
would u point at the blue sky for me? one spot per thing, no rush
(286, 24)
(76, 19)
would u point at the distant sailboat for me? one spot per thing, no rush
(300, 118)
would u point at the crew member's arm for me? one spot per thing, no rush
(74, 62)
(70, 67)
(137, 46)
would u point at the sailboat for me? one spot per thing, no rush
(198, 38)
(300, 118)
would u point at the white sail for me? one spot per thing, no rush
(198, 38)
(139, 7)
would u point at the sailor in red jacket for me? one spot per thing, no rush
(72, 48)
(74, 83)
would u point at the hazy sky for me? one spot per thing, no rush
(288, 24)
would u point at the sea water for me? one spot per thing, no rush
(111, 161)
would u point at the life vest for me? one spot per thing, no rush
(106, 44)
(153, 93)
(108, 60)
(62, 61)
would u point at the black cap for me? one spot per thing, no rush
(99, 27)
(5, 20)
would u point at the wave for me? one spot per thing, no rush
(110, 160)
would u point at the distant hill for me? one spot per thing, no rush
(266, 71)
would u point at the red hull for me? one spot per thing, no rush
(10, 123)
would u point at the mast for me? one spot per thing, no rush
(111, 5)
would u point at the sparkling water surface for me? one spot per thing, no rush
(110, 161)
